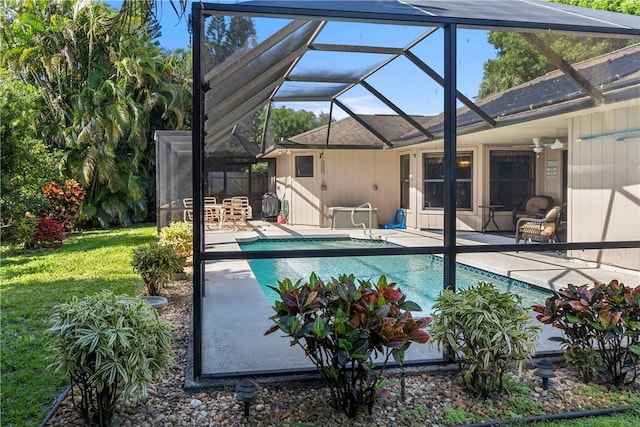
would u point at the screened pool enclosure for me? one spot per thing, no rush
(421, 64)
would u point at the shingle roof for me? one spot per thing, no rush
(616, 74)
(349, 133)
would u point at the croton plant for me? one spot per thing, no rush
(344, 326)
(600, 325)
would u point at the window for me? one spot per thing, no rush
(304, 166)
(404, 181)
(511, 178)
(433, 187)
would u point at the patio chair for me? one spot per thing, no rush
(533, 207)
(234, 212)
(187, 214)
(539, 229)
(244, 202)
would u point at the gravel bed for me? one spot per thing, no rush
(426, 395)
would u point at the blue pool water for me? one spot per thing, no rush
(418, 276)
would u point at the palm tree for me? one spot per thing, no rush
(107, 88)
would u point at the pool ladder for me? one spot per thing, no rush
(364, 228)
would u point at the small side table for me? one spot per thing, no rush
(492, 211)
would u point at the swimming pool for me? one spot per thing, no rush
(418, 276)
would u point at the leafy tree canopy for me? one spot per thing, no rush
(27, 163)
(107, 88)
(518, 61)
(284, 122)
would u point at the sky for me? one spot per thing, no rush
(400, 81)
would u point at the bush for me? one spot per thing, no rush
(111, 347)
(48, 234)
(156, 263)
(64, 202)
(342, 327)
(20, 232)
(485, 330)
(178, 235)
(606, 317)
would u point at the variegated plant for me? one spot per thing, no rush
(111, 347)
(485, 331)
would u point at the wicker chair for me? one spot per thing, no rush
(533, 207)
(539, 229)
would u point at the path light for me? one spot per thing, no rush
(544, 370)
(247, 393)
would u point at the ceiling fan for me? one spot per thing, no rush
(538, 145)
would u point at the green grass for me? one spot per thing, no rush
(31, 284)
(628, 419)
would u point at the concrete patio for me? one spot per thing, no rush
(235, 312)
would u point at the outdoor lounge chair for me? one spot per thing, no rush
(399, 221)
(533, 207)
(539, 229)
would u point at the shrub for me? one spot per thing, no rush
(48, 234)
(111, 347)
(64, 202)
(485, 330)
(178, 235)
(21, 232)
(342, 326)
(606, 317)
(156, 263)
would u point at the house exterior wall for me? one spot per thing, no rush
(353, 177)
(341, 178)
(604, 184)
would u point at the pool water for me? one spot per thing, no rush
(418, 276)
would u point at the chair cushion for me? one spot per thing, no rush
(553, 212)
(549, 229)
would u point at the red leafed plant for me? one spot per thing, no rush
(48, 234)
(64, 202)
(600, 327)
(343, 326)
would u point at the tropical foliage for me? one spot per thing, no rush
(485, 330)
(603, 317)
(344, 325)
(107, 88)
(64, 202)
(28, 164)
(156, 263)
(111, 347)
(178, 235)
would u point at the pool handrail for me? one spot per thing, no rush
(353, 221)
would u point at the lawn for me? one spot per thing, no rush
(31, 284)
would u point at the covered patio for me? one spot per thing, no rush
(274, 71)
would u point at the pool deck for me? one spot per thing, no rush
(235, 312)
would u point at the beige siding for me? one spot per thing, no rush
(604, 185)
(350, 178)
